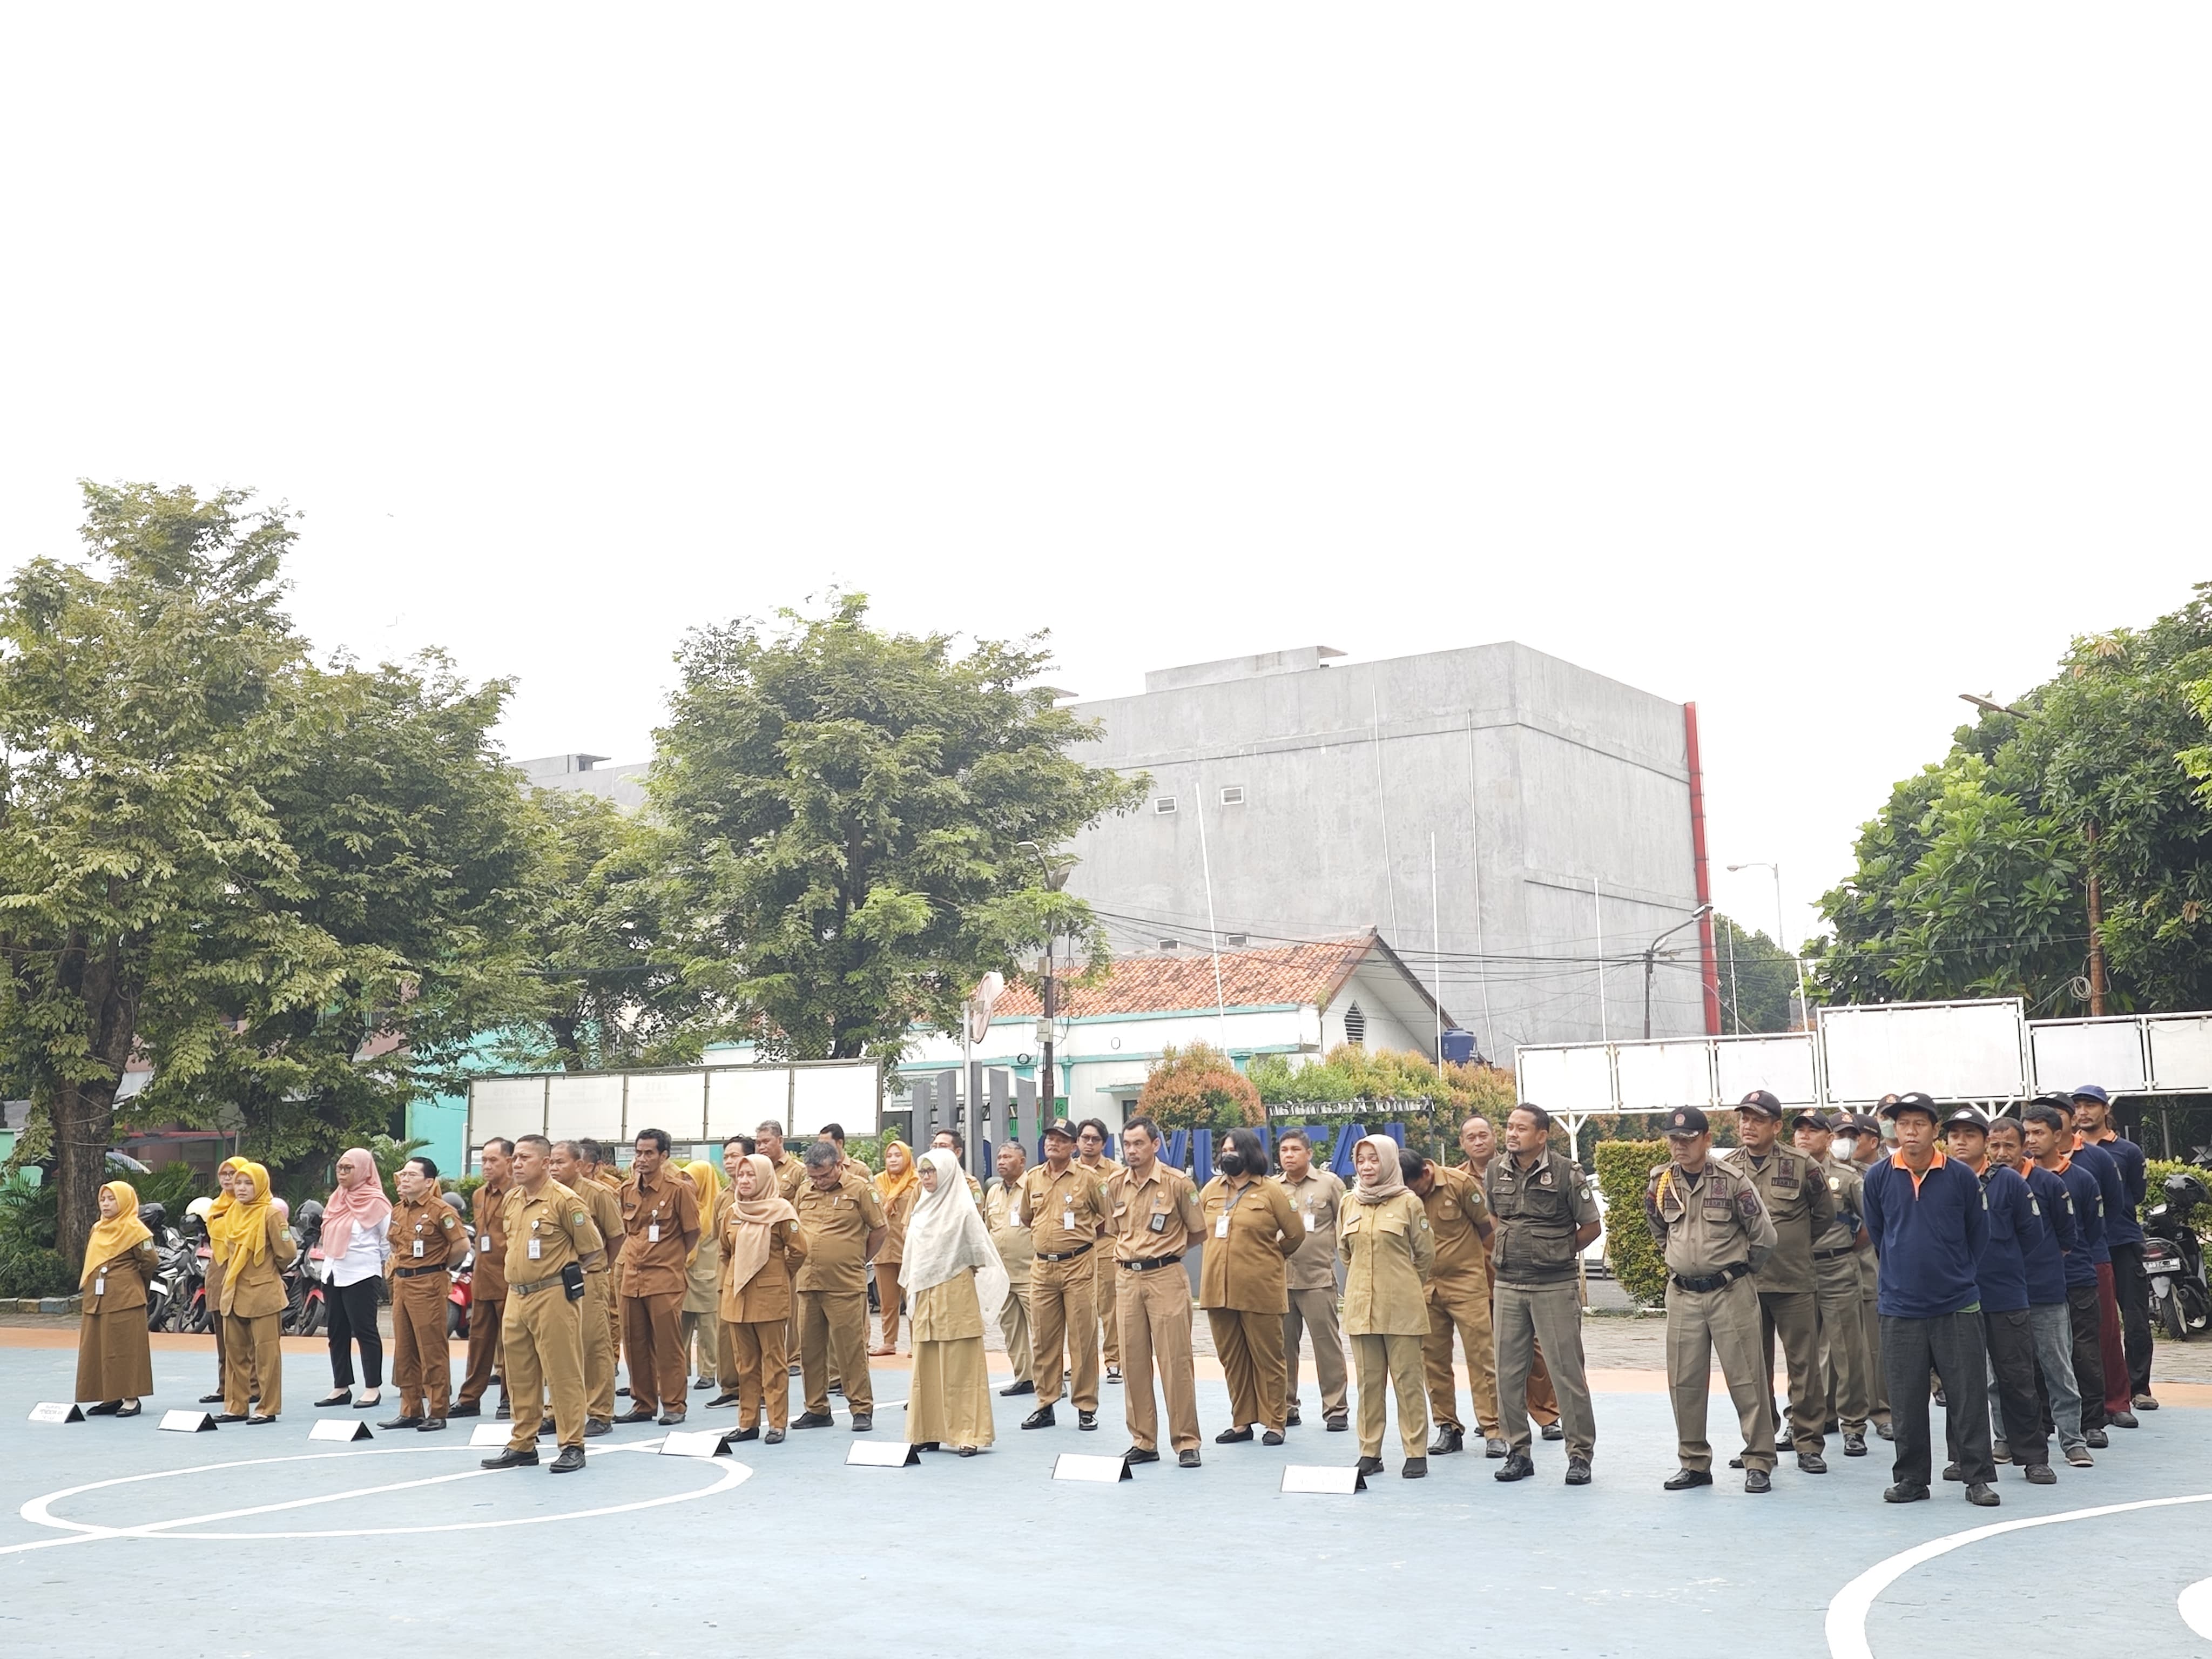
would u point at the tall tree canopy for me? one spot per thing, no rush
(1972, 880)
(848, 809)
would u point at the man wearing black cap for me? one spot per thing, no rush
(1858, 1144)
(1842, 1370)
(2008, 1330)
(2114, 1211)
(2047, 1126)
(1065, 1210)
(1801, 1207)
(1925, 1213)
(2044, 1259)
(2124, 1237)
(1709, 1222)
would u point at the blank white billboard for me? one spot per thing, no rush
(1578, 1078)
(2180, 1052)
(1780, 1063)
(1658, 1077)
(847, 1095)
(1952, 1050)
(500, 1109)
(2071, 1052)
(588, 1103)
(739, 1099)
(674, 1100)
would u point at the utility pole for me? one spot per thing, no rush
(1055, 879)
(1651, 952)
(2096, 931)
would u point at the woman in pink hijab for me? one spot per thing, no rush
(354, 1249)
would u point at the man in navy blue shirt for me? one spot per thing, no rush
(2112, 1206)
(2008, 1332)
(2048, 1124)
(2124, 1237)
(1924, 1211)
(2058, 1401)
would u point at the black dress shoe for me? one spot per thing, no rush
(1291, 1417)
(729, 1399)
(1113, 1373)
(343, 1397)
(260, 1418)
(1272, 1437)
(703, 1384)
(1553, 1431)
(433, 1425)
(1982, 1495)
(773, 1437)
(1141, 1455)
(812, 1421)
(1855, 1445)
(545, 1427)
(1812, 1463)
(670, 1419)
(863, 1422)
(2097, 1438)
(215, 1399)
(105, 1408)
(570, 1459)
(1735, 1462)
(623, 1393)
(2040, 1474)
(1416, 1468)
(1578, 1471)
(924, 1445)
(1042, 1418)
(504, 1413)
(465, 1408)
(2143, 1402)
(1683, 1480)
(1516, 1467)
(645, 1415)
(1758, 1480)
(1085, 1419)
(370, 1402)
(753, 1433)
(1905, 1491)
(1952, 1472)
(1338, 1424)
(1017, 1387)
(1232, 1436)
(596, 1426)
(1187, 1459)
(229, 1416)
(2125, 1420)
(130, 1410)
(1448, 1440)
(512, 1459)
(403, 1422)
(1370, 1466)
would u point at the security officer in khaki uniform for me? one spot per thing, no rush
(1859, 1144)
(1709, 1222)
(1016, 1250)
(1153, 1219)
(1801, 1207)
(1065, 1210)
(1541, 1204)
(1091, 1154)
(660, 1224)
(1836, 1285)
(426, 1238)
(548, 1231)
(1316, 1194)
(1458, 1299)
(572, 1171)
(843, 1224)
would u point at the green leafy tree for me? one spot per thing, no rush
(1758, 979)
(847, 811)
(1199, 1087)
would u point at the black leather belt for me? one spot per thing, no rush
(1065, 1256)
(1719, 1281)
(416, 1272)
(1146, 1267)
(1830, 1256)
(552, 1284)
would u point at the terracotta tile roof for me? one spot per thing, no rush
(1300, 975)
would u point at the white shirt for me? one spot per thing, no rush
(363, 1259)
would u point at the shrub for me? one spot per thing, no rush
(24, 1272)
(2158, 1169)
(1200, 1087)
(1624, 1170)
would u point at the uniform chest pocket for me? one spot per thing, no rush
(1447, 1211)
(1352, 1222)
(1390, 1224)
(1716, 1209)
(1158, 1224)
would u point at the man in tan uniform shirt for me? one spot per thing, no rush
(571, 1170)
(1091, 1154)
(598, 1168)
(1065, 1210)
(1458, 1299)
(487, 1278)
(842, 1221)
(547, 1230)
(1016, 1250)
(1152, 1219)
(426, 1238)
(1316, 1192)
(661, 1226)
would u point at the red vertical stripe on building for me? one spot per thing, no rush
(1709, 962)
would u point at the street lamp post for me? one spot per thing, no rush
(1049, 1096)
(1804, 1003)
(1651, 952)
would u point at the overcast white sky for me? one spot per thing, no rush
(1816, 364)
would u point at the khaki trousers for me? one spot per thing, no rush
(887, 1304)
(1250, 1348)
(1153, 1310)
(1525, 1316)
(1104, 1296)
(597, 1334)
(545, 1336)
(833, 1339)
(253, 1349)
(1701, 1324)
(1877, 1384)
(1315, 1310)
(1455, 1307)
(1843, 1343)
(1061, 1321)
(1014, 1326)
(1389, 1362)
(701, 1335)
(1794, 1317)
(485, 1322)
(422, 1357)
(763, 1367)
(653, 1336)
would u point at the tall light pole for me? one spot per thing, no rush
(1050, 1095)
(1651, 951)
(1804, 1002)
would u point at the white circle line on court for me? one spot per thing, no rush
(1847, 1612)
(38, 1511)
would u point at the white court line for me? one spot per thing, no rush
(1847, 1614)
(2196, 1606)
(37, 1510)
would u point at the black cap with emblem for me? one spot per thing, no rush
(1968, 1117)
(1808, 1117)
(1061, 1127)
(1685, 1123)
(1897, 1105)
(1760, 1100)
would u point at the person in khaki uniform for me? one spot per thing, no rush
(218, 1207)
(487, 1278)
(1153, 1218)
(604, 1207)
(254, 1245)
(1017, 1251)
(599, 1171)
(1310, 1281)
(1459, 1300)
(1710, 1224)
(1478, 1141)
(114, 1360)
(1541, 1208)
(952, 1141)
(1065, 1210)
(1801, 1207)
(844, 1226)
(1251, 1230)
(1858, 1145)
(1382, 1235)
(548, 1232)
(661, 1226)
(762, 1246)
(1091, 1136)
(1842, 1369)
(426, 1238)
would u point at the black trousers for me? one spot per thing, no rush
(2082, 1310)
(1951, 1347)
(2009, 1338)
(2131, 1288)
(353, 1319)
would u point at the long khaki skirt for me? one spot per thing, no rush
(113, 1359)
(951, 1403)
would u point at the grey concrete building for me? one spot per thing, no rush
(1562, 807)
(622, 785)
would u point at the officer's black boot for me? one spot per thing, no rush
(1449, 1439)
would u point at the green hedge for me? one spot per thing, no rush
(1624, 1170)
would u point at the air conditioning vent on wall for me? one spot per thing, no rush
(1164, 806)
(1233, 795)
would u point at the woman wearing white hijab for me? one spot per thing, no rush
(951, 1272)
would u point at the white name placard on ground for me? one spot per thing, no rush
(695, 1443)
(351, 1430)
(1077, 1465)
(57, 1411)
(882, 1454)
(488, 1434)
(187, 1422)
(1319, 1478)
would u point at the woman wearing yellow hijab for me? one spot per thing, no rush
(253, 1244)
(702, 1285)
(897, 1189)
(219, 1207)
(114, 1362)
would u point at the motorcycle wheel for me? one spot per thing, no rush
(457, 1322)
(2192, 1311)
(311, 1318)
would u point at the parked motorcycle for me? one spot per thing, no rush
(166, 1290)
(306, 1308)
(2173, 1258)
(464, 1276)
(199, 1317)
